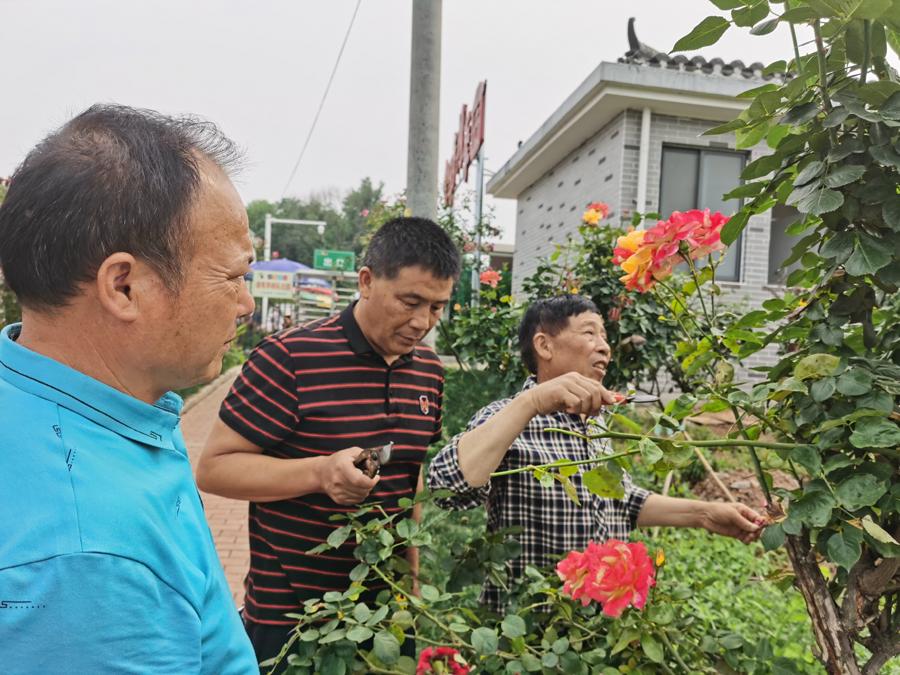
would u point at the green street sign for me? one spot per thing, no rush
(334, 261)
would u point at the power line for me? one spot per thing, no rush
(315, 121)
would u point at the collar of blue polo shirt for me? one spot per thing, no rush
(370, 460)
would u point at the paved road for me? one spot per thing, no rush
(227, 517)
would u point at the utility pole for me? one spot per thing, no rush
(424, 108)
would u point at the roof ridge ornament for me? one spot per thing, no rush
(638, 48)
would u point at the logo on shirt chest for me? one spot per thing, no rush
(424, 404)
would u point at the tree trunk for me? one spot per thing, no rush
(835, 646)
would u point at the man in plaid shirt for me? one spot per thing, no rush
(563, 343)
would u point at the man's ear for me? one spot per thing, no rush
(365, 282)
(116, 284)
(542, 346)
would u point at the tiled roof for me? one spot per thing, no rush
(644, 55)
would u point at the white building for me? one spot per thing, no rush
(631, 136)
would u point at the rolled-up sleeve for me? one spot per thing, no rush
(445, 473)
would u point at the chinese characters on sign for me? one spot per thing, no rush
(278, 285)
(341, 261)
(466, 143)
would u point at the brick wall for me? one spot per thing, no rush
(549, 211)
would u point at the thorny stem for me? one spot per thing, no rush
(574, 462)
(673, 651)
(867, 37)
(823, 76)
(714, 443)
(699, 293)
(787, 6)
(375, 669)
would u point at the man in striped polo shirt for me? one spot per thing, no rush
(305, 404)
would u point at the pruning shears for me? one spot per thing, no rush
(370, 460)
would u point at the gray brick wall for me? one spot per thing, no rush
(550, 210)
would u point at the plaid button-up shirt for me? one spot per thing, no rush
(551, 523)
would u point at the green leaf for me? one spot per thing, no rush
(816, 366)
(891, 107)
(869, 256)
(362, 613)
(727, 4)
(875, 432)
(705, 34)
(386, 648)
(813, 508)
(359, 572)
(839, 247)
(855, 382)
(799, 15)
(605, 481)
(765, 27)
(822, 390)
(859, 490)
(747, 137)
(513, 626)
(339, 536)
(359, 634)
(884, 155)
(871, 9)
(652, 648)
(650, 451)
(407, 528)
(747, 16)
(333, 636)
(761, 167)
(550, 660)
(485, 641)
(808, 457)
(531, 663)
(877, 532)
(725, 128)
(821, 201)
(746, 190)
(844, 175)
(733, 228)
(890, 211)
(801, 114)
(845, 547)
(812, 170)
(561, 646)
(835, 118)
(772, 537)
(429, 593)
(848, 146)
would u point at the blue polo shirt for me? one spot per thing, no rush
(107, 564)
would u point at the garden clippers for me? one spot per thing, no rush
(370, 460)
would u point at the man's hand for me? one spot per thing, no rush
(574, 393)
(342, 481)
(732, 520)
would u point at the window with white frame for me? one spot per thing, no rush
(696, 178)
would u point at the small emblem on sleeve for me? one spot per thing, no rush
(424, 404)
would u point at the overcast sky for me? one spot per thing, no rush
(259, 69)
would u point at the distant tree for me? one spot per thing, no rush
(344, 218)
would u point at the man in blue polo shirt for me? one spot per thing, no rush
(126, 244)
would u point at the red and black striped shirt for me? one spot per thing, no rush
(314, 390)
